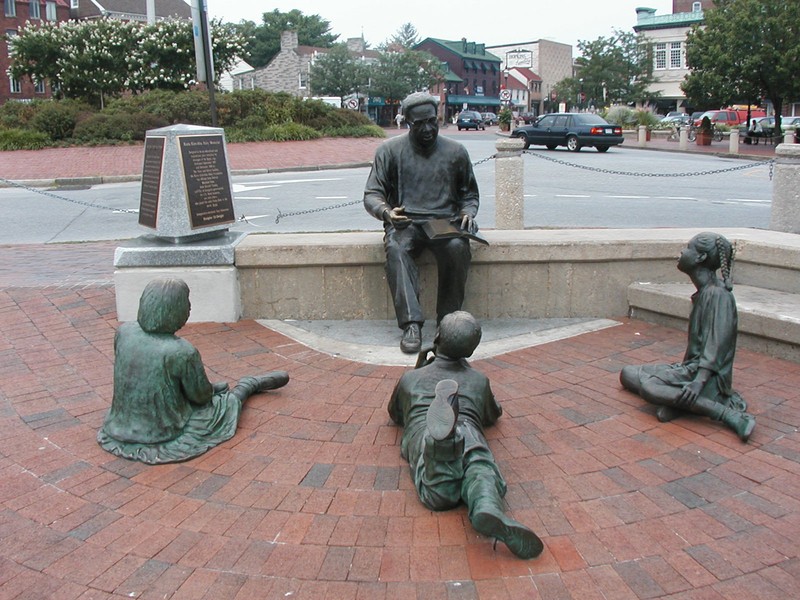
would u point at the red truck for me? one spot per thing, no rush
(730, 117)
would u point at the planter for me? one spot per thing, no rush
(703, 138)
(504, 126)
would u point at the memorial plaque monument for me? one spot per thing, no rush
(186, 206)
(186, 188)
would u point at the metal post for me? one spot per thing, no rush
(206, 37)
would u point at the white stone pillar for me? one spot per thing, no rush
(786, 189)
(683, 139)
(642, 135)
(733, 142)
(788, 137)
(509, 208)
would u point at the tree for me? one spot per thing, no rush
(404, 39)
(398, 74)
(613, 69)
(338, 73)
(93, 60)
(747, 50)
(264, 40)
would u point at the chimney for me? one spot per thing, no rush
(288, 40)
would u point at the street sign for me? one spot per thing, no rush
(352, 104)
(505, 95)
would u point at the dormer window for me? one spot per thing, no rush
(697, 6)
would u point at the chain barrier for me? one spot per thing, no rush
(296, 213)
(770, 162)
(282, 215)
(132, 211)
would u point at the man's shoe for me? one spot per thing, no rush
(742, 423)
(272, 381)
(443, 411)
(411, 342)
(522, 542)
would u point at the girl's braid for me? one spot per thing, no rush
(725, 251)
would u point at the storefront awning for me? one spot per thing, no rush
(460, 99)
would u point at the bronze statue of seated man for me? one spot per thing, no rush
(702, 382)
(443, 405)
(164, 408)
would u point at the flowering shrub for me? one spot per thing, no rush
(102, 58)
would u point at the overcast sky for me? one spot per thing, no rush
(483, 22)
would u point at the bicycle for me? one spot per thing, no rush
(716, 133)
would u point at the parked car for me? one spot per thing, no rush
(672, 115)
(573, 130)
(679, 119)
(720, 117)
(489, 119)
(470, 119)
(789, 123)
(527, 117)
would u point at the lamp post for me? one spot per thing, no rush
(508, 91)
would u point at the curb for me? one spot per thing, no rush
(73, 182)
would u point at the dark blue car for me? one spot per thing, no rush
(573, 130)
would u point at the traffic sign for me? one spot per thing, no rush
(352, 103)
(505, 95)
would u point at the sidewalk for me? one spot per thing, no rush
(311, 498)
(116, 163)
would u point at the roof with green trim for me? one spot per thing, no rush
(464, 49)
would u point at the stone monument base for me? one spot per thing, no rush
(207, 266)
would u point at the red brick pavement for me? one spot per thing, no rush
(311, 499)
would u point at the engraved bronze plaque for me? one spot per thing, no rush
(151, 181)
(205, 173)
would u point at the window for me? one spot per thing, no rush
(50, 11)
(697, 6)
(10, 7)
(14, 85)
(35, 9)
(303, 79)
(660, 56)
(74, 3)
(675, 55)
(39, 87)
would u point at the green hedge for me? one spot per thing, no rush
(246, 115)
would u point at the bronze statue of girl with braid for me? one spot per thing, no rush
(701, 384)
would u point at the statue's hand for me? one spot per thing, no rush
(219, 387)
(396, 217)
(690, 393)
(466, 222)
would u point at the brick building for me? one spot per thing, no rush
(550, 61)
(17, 12)
(14, 16)
(472, 75)
(127, 10)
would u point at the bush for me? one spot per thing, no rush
(16, 114)
(190, 107)
(290, 132)
(57, 119)
(237, 106)
(622, 116)
(354, 131)
(117, 127)
(22, 139)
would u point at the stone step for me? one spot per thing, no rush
(769, 320)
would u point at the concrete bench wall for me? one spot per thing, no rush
(523, 274)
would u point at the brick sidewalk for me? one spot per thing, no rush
(311, 499)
